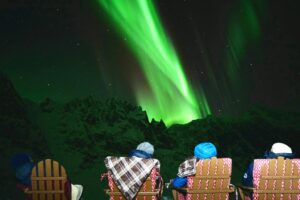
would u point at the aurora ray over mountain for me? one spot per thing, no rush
(169, 95)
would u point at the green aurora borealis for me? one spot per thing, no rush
(243, 30)
(178, 60)
(170, 97)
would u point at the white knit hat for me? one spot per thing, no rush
(281, 148)
(146, 147)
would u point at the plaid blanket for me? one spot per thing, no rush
(187, 168)
(129, 173)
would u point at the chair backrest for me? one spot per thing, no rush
(276, 178)
(212, 180)
(48, 180)
(148, 191)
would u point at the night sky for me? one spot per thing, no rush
(67, 49)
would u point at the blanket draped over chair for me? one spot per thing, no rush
(187, 168)
(129, 173)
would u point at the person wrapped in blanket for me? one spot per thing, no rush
(205, 150)
(277, 149)
(23, 164)
(144, 150)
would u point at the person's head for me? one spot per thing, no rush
(205, 150)
(20, 159)
(146, 147)
(279, 149)
(23, 164)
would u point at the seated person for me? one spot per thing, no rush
(130, 173)
(143, 150)
(23, 164)
(205, 150)
(278, 149)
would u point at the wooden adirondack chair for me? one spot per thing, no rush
(48, 180)
(274, 179)
(150, 190)
(212, 181)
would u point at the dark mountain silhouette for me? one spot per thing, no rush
(17, 134)
(82, 132)
(11, 104)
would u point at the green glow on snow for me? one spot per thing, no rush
(170, 97)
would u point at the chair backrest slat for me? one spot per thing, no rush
(49, 182)
(295, 183)
(41, 184)
(280, 171)
(63, 174)
(288, 173)
(220, 182)
(57, 185)
(34, 184)
(226, 181)
(271, 183)
(211, 172)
